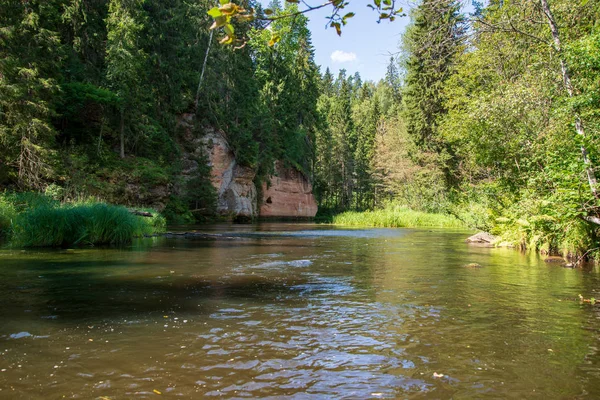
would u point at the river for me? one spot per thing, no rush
(296, 311)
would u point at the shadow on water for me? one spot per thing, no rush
(109, 283)
(89, 294)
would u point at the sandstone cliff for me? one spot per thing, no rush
(287, 195)
(234, 183)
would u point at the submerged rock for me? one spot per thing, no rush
(482, 238)
(555, 260)
(473, 265)
(20, 335)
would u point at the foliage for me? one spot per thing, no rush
(30, 51)
(178, 212)
(510, 126)
(431, 44)
(7, 215)
(474, 119)
(420, 184)
(226, 12)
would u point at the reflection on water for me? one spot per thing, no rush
(300, 311)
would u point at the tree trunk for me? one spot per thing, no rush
(591, 176)
(100, 136)
(122, 136)
(203, 69)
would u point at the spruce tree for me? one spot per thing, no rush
(392, 78)
(126, 61)
(432, 44)
(30, 53)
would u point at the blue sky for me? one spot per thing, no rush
(365, 46)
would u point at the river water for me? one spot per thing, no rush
(296, 311)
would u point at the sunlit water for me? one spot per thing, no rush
(296, 311)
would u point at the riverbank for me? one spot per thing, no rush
(395, 216)
(571, 239)
(37, 220)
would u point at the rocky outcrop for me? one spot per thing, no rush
(288, 195)
(234, 183)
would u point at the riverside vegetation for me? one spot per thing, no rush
(37, 220)
(482, 115)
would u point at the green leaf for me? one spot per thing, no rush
(274, 39)
(338, 27)
(214, 12)
(219, 22)
(228, 29)
(377, 3)
(223, 2)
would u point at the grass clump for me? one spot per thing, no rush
(35, 222)
(395, 216)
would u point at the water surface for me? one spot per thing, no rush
(296, 311)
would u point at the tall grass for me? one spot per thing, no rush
(394, 216)
(40, 223)
(7, 215)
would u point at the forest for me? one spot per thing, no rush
(490, 116)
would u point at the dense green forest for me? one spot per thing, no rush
(492, 116)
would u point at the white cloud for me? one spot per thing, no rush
(342, 57)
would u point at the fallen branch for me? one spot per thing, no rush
(141, 213)
(593, 220)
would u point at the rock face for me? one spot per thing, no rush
(234, 183)
(289, 195)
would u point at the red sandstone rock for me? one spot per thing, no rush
(289, 195)
(234, 183)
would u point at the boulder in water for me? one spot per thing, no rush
(482, 239)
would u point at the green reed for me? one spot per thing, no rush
(397, 217)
